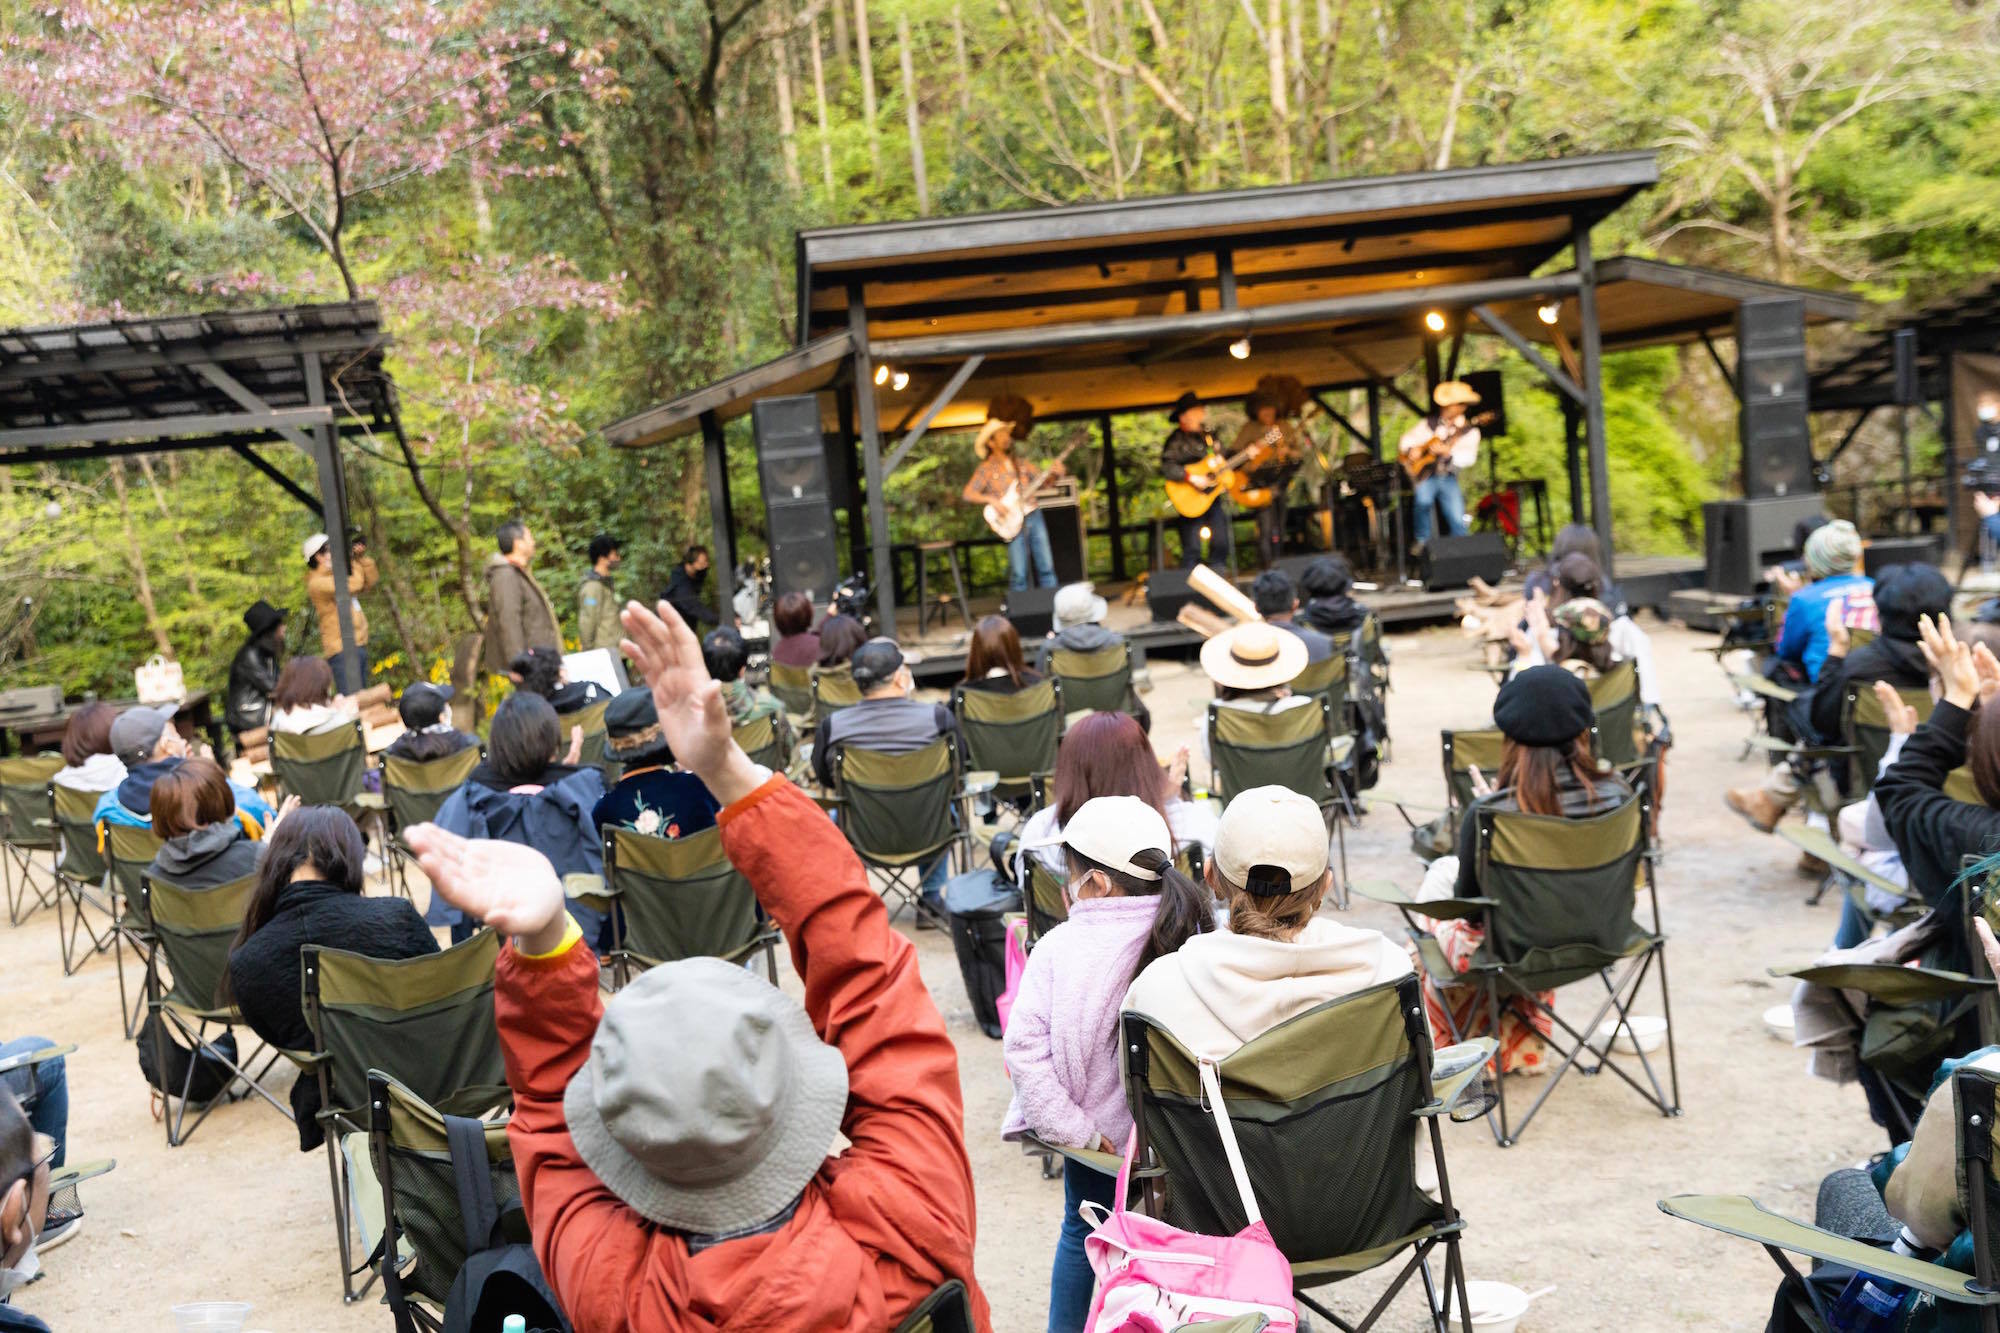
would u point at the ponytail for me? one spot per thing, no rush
(1186, 909)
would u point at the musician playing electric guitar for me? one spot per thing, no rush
(1434, 450)
(1192, 442)
(1005, 480)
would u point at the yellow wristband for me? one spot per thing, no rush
(572, 933)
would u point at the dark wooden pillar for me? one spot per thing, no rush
(1593, 394)
(1113, 500)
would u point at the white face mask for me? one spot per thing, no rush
(21, 1274)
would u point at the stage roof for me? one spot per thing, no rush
(1865, 376)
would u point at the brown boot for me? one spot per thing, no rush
(1755, 805)
(1812, 867)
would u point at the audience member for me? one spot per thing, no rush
(1573, 539)
(540, 670)
(1330, 607)
(428, 732)
(145, 740)
(993, 662)
(1278, 602)
(1128, 908)
(42, 1092)
(686, 589)
(1787, 576)
(1576, 623)
(253, 672)
(304, 702)
(1865, 837)
(88, 764)
(519, 615)
(1832, 553)
(24, 1202)
(1252, 667)
(352, 672)
(310, 890)
(672, 1144)
(727, 656)
(651, 796)
(597, 598)
(1107, 754)
(797, 645)
(1078, 621)
(839, 636)
(203, 844)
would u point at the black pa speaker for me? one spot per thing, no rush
(1068, 546)
(1452, 562)
(1879, 555)
(798, 510)
(1492, 398)
(1743, 538)
(1033, 611)
(1167, 592)
(1771, 381)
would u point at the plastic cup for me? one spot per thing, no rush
(211, 1316)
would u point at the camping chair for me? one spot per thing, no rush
(62, 1180)
(1299, 748)
(1043, 896)
(27, 826)
(1982, 899)
(427, 1022)
(834, 689)
(902, 811)
(769, 741)
(82, 880)
(1814, 841)
(680, 898)
(410, 1149)
(1326, 1106)
(943, 1311)
(1559, 906)
(1011, 736)
(329, 768)
(1978, 1198)
(412, 793)
(1326, 680)
(193, 929)
(1100, 681)
(129, 849)
(793, 687)
(593, 755)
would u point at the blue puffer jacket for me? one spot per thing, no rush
(555, 821)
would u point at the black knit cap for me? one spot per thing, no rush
(1544, 705)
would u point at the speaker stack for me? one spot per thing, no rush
(1743, 538)
(1453, 562)
(1771, 381)
(798, 507)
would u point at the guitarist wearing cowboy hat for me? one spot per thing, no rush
(1008, 421)
(1192, 442)
(1430, 449)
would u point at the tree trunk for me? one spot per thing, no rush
(781, 58)
(394, 581)
(914, 116)
(867, 87)
(135, 556)
(819, 97)
(173, 529)
(964, 65)
(841, 51)
(1281, 107)
(1100, 81)
(482, 207)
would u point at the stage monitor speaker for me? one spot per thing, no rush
(1771, 382)
(1167, 592)
(1879, 555)
(798, 510)
(1743, 538)
(1066, 540)
(1453, 562)
(1033, 611)
(1492, 398)
(1909, 388)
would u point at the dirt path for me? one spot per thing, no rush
(239, 1213)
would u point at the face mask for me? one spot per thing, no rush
(21, 1274)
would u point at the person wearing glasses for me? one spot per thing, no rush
(24, 1202)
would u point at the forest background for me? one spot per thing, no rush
(570, 209)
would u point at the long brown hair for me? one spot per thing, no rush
(305, 681)
(88, 732)
(195, 795)
(1533, 772)
(1107, 754)
(996, 646)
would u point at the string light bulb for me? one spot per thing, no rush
(900, 381)
(1548, 313)
(882, 374)
(1240, 349)
(1434, 320)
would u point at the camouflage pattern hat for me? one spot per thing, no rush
(1587, 620)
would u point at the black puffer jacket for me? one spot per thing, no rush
(1898, 661)
(1332, 615)
(253, 674)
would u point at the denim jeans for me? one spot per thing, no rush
(1221, 541)
(1441, 488)
(340, 662)
(1854, 927)
(1031, 542)
(42, 1089)
(1071, 1283)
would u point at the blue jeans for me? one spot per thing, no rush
(1071, 1282)
(1031, 542)
(1221, 539)
(1440, 488)
(42, 1089)
(1854, 927)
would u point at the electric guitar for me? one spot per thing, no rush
(1006, 515)
(1421, 459)
(1226, 478)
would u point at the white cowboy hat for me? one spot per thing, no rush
(986, 432)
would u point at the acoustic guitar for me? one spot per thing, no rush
(1420, 460)
(1006, 515)
(1227, 478)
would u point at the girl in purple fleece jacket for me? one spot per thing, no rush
(1127, 906)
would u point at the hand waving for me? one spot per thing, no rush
(1988, 667)
(1952, 660)
(1902, 718)
(689, 701)
(510, 887)
(1837, 638)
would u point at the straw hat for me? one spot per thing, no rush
(1454, 391)
(1255, 656)
(1011, 410)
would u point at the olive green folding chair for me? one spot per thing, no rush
(680, 898)
(1978, 1148)
(595, 738)
(28, 829)
(1301, 748)
(1012, 736)
(1559, 906)
(83, 880)
(1981, 899)
(1865, 732)
(410, 1149)
(1815, 841)
(1327, 1109)
(1100, 680)
(1326, 680)
(330, 768)
(1618, 735)
(1464, 753)
(900, 812)
(412, 794)
(769, 741)
(1043, 892)
(943, 1311)
(833, 689)
(192, 930)
(793, 687)
(129, 849)
(427, 1022)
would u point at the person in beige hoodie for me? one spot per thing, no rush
(1278, 957)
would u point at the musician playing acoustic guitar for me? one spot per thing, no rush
(1279, 446)
(1434, 450)
(1192, 442)
(1001, 470)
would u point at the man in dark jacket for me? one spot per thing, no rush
(519, 615)
(685, 590)
(651, 796)
(1278, 602)
(1190, 442)
(428, 732)
(1330, 607)
(253, 672)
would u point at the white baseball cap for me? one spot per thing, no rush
(1112, 830)
(313, 545)
(1272, 828)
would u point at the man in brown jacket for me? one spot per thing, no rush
(361, 576)
(519, 615)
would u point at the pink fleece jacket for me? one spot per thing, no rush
(1062, 1036)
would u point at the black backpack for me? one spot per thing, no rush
(212, 1072)
(500, 1276)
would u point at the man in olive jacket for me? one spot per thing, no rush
(519, 615)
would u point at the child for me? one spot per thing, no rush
(1128, 907)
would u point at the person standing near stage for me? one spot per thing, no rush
(1433, 451)
(1280, 448)
(597, 603)
(1001, 468)
(1192, 442)
(519, 615)
(361, 576)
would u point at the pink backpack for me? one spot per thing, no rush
(1017, 963)
(1152, 1277)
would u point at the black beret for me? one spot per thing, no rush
(1544, 705)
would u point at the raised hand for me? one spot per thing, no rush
(1837, 638)
(1177, 771)
(575, 747)
(692, 715)
(285, 807)
(1988, 667)
(1987, 945)
(1952, 660)
(1901, 717)
(510, 887)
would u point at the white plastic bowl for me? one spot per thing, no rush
(1778, 1022)
(211, 1316)
(1650, 1032)
(1497, 1307)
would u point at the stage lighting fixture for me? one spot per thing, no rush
(900, 381)
(881, 374)
(1240, 349)
(1548, 313)
(1434, 321)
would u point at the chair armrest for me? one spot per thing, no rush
(372, 801)
(78, 1172)
(307, 1061)
(1439, 909)
(583, 886)
(1447, 1091)
(1820, 843)
(1888, 983)
(1759, 685)
(1740, 1215)
(980, 781)
(35, 1057)
(1104, 1163)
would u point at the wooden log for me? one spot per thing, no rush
(1223, 593)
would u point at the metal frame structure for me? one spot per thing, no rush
(307, 376)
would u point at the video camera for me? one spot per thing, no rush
(1982, 471)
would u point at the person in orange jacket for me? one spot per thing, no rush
(673, 1144)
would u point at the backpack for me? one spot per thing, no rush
(213, 1072)
(500, 1276)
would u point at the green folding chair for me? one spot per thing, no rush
(833, 689)
(793, 687)
(1326, 1107)
(412, 793)
(129, 849)
(1865, 732)
(427, 1022)
(595, 738)
(83, 881)
(769, 741)
(680, 898)
(945, 1310)
(1100, 680)
(1011, 736)
(1558, 904)
(27, 828)
(63, 1180)
(1982, 899)
(192, 930)
(1978, 1198)
(330, 768)
(1301, 748)
(900, 812)
(1043, 891)
(1328, 681)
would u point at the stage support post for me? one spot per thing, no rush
(333, 511)
(883, 569)
(1573, 458)
(1375, 417)
(1593, 390)
(1114, 502)
(721, 523)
